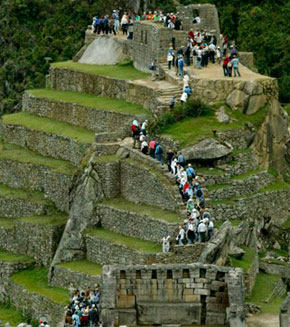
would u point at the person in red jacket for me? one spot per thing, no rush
(225, 66)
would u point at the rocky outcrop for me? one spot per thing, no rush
(207, 149)
(271, 139)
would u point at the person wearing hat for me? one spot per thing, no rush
(115, 17)
(166, 243)
(170, 57)
(218, 55)
(190, 172)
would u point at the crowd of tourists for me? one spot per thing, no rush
(83, 310)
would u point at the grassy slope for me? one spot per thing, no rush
(83, 266)
(131, 242)
(10, 257)
(36, 281)
(127, 72)
(50, 126)
(246, 260)
(191, 130)
(9, 314)
(92, 101)
(143, 209)
(6, 222)
(16, 153)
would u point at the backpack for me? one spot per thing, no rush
(199, 193)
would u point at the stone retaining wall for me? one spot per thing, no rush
(36, 241)
(37, 177)
(35, 305)
(174, 294)
(66, 278)
(52, 145)
(94, 119)
(135, 225)
(275, 269)
(238, 138)
(285, 313)
(71, 80)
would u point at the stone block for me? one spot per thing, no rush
(128, 317)
(199, 291)
(188, 291)
(191, 298)
(194, 285)
(126, 301)
(202, 280)
(215, 307)
(214, 318)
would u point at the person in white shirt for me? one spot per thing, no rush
(183, 97)
(212, 49)
(210, 229)
(166, 243)
(144, 147)
(202, 231)
(196, 20)
(144, 126)
(185, 80)
(218, 55)
(180, 236)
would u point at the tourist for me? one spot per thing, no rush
(183, 98)
(144, 147)
(154, 70)
(152, 146)
(225, 66)
(116, 21)
(144, 126)
(196, 20)
(181, 159)
(235, 62)
(159, 152)
(172, 102)
(124, 24)
(202, 231)
(188, 91)
(169, 158)
(185, 80)
(178, 24)
(166, 243)
(225, 44)
(170, 57)
(233, 52)
(190, 172)
(230, 67)
(199, 57)
(212, 51)
(180, 236)
(135, 133)
(218, 55)
(210, 229)
(190, 206)
(187, 55)
(131, 30)
(190, 234)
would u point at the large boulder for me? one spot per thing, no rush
(237, 100)
(256, 102)
(253, 88)
(207, 149)
(221, 116)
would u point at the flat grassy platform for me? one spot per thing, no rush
(209, 171)
(83, 266)
(53, 220)
(143, 209)
(11, 315)
(246, 175)
(92, 101)
(16, 153)
(218, 187)
(262, 290)
(14, 258)
(246, 260)
(50, 126)
(131, 242)
(7, 223)
(191, 130)
(36, 281)
(33, 196)
(126, 72)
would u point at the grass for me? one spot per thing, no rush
(36, 281)
(192, 130)
(246, 175)
(48, 125)
(143, 209)
(279, 185)
(106, 159)
(28, 195)
(210, 171)
(7, 223)
(234, 222)
(126, 72)
(11, 315)
(53, 220)
(246, 260)
(218, 187)
(262, 290)
(131, 242)
(286, 224)
(23, 155)
(10, 257)
(241, 151)
(277, 262)
(92, 101)
(83, 266)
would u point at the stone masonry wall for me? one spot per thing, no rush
(72, 80)
(65, 278)
(173, 294)
(36, 306)
(285, 312)
(94, 119)
(52, 145)
(135, 225)
(55, 185)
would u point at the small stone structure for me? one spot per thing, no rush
(189, 294)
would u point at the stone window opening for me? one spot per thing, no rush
(195, 13)
(146, 37)
(138, 274)
(202, 273)
(122, 274)
(220, 276)
(169, 274)
(142, 36)
(185, 273)
(154, 274)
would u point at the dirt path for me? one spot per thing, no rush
(263, 320)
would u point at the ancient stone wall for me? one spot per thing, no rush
(285, 312)
(72, 80)
(66, 278)
(274, 269)
(174, 294)
(247, 59)
(55, 185)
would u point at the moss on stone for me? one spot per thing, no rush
(209, 171)
(92, 101)
(278, 186)
(14, 258)
(126, 72)
(7, 222)
(49, 126)
(16, 153)
(246, 175)
(36, 281)
(286, 224)
(131, 242)
(247, 259)
(143, 209)
(106, 159)
(54, 220)
(83, 266)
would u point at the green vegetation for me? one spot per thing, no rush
(143, 209)
(277, 262)
(105, 159)
(10, 257)
(29, 195)
(131, 242)
(48, 125)
(7, 223)
(35, 281)
(210, 171)
(234, 222)
(241, 151)
(246, 175)
(83, 266)
(286, 225)
(53, 220)
(11, 315)
(16, 153)
(246, 260)
(119, 71)
(190, 130)
(92, 101)
(218, 187)
(279, 185)
(262, 290)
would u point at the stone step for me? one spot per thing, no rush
(20, 203)
(237, 186)
(91, 112)
(106, 247)
(142, 221)
(24, 169)
(80, 274)
(46, 136)
(30, 293)
(36, 237)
